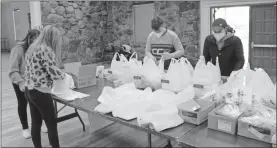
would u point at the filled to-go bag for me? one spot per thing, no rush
(205, 77)
(178, 76)
(152, 73)
(116, 70)
(265, 94)
(133, 69)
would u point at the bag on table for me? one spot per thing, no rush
(263, 88)
(111, 97)
(161, 119)
(131, 104)
(116, 70)
(152, 74)
(186, 62)
(133, 69)
(178, 76)
(205, 77)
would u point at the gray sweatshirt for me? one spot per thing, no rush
(17, 65)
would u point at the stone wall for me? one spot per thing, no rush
(82, 25)
(182, 17)
(88, 26)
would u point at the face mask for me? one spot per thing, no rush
(159, 34)
(219, 36)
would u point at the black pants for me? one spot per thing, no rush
(22, 106)
(42, 107)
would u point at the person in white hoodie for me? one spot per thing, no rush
(16, 74)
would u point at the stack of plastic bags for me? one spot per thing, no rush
(178, 76)
(250, 92)
(162, 113)
(157, 110)
(123, 102)
(148, 74)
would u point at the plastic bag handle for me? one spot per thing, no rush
(134, 55)
(174, 61)
(116, 54)
(123, 58)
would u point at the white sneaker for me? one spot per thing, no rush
(26, 134)
(44, 128)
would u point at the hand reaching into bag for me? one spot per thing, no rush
(167, 56)
(71, 81)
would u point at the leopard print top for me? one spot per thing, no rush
(41, 69)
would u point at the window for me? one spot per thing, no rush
(143, 14)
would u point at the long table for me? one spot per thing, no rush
(186, 134)
(201, 136)
(89, 103)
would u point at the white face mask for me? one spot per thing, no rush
(160, 33)
(219, 36)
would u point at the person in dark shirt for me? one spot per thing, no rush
(224, 45)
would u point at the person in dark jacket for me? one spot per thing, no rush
(224, 45)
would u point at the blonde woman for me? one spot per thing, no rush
(42, 59)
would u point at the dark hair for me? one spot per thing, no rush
(26, 42)
(230, 29)
(156, 23)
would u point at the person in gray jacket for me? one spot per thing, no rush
(16, 74)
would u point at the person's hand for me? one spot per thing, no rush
(71, 81)
(167, 56)
(22, 88)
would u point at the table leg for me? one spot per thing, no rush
(149, 140)
(84, 128)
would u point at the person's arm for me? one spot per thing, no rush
(49, 63)
(178, 47)
(14, 69)
(206, 52)
(148, 48)
(239, 55)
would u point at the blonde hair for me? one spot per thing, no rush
(50, 37)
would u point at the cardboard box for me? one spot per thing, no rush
(83, 75)
(222, 123)
(248, 130)
(196, 117)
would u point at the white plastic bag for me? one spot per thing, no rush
(205, 77)
(152, 73)
(133, 69)
(161, 119)
(178, 76)
(188, 64)
(102, 108)
(63, 86)
(266, 94)
(116, 70)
